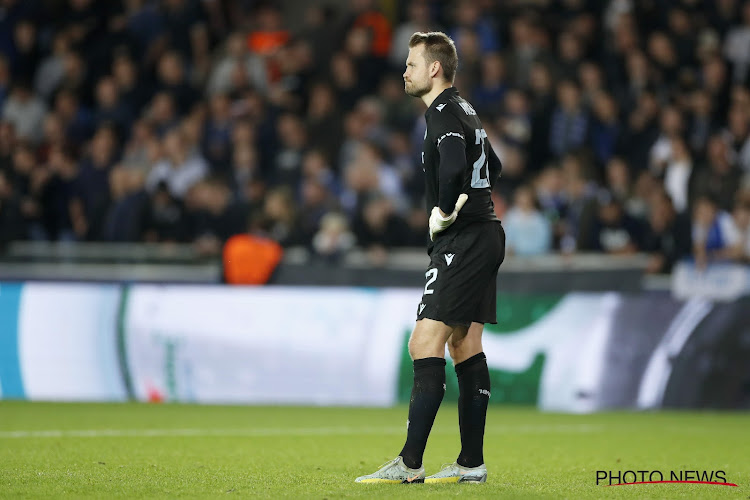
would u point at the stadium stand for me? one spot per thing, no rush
(623, 126)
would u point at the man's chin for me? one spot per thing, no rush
(415, 92)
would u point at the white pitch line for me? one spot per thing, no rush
(282, 431)
(259, 432)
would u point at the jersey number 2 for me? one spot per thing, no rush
(477, 181)
(431, 274)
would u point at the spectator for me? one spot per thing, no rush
(667, 236)
(737, 136)
(293, 142)
(244, 168)
(11, 223)
(25, 112)
(316, 201)
(528, 231)
(592, 81)
(217, 134)
(333, 239)
(741, 219)
(24, 164)
(4, 80)
(51, 70)
(671, 126)
(126, 217)
(665, 59)
(76, 78)
(682, 32)
(525, 50)
(8, 143)
(165, 217)
(345, 80)
(605, 127)
(110, 109)
(162, 113)
(323, 120)
(145, 26)
(173, 80)
(718, 178)
(219, 217)
(178, 170)
(419, 19)
(130, 85)
(185, 31)
(641, 132)
(620, 187)
(237, 58)
(77, 120)
(735, 46)
(92, 184)
(142, 149)
(398, 108)
(471, 16)
(579, 209)
(488, 95)
(542, 106)
(278, 218)
(315, 166)
(365, 16)
(570, 55)
(714, 234)
(570, 123)
(548, 191)
(379, 228)
(716, 83)
(56, 197)
(26, 57)
(677, 174)
(613, 231)
(701, 122)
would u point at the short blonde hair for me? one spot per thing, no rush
(438, 47)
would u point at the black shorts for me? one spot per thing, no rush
(461, 282)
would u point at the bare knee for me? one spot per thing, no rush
(454, 346)
(416, 347)
(428, 339)
(462, 347)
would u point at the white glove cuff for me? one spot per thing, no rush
(440, 217)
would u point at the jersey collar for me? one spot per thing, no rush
(443, 97)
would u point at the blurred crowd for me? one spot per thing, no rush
(623, 125)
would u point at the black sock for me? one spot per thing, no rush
(426, 396)
(474, 394)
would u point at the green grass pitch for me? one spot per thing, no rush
(184, 451)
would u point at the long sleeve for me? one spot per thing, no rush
(451, 170)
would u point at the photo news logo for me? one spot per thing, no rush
(630, 477)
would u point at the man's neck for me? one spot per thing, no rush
(437, 89)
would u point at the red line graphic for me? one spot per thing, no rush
(679, 482)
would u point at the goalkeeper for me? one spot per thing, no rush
(467, 246)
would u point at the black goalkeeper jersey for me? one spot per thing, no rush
(451, 118)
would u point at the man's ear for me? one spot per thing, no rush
(434, 68)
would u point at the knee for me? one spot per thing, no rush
(416, 347)
(455, 347)
(424, 346)
(464, 348)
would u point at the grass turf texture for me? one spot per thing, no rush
(169, 451)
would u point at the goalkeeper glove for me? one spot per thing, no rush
(439, 223)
